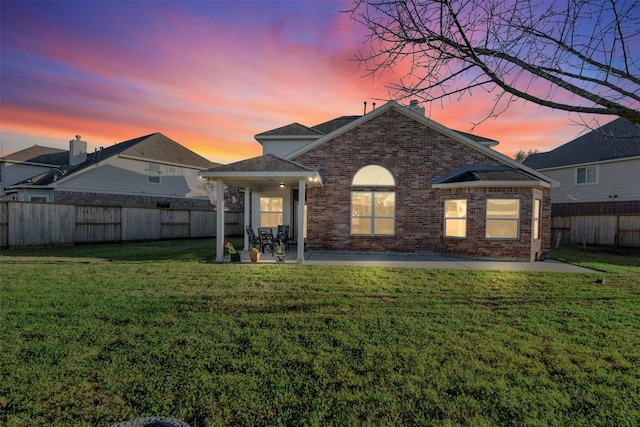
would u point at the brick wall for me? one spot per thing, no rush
(597, 208)
(79, 198)
(415, 155)
(234, 200)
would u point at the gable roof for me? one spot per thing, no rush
(39, 155)
(154, 148)
(293, 129)
(472, 141)
(298, 131)
(616, 140)
(332, 125)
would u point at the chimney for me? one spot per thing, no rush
(77, 151)
(414, 105)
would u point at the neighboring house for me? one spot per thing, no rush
(392, 181)
(599, 172)
(150, 171)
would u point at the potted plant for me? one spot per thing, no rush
(280, 252)
(254, 254)
(233, 253)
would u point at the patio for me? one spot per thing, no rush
(412, 260)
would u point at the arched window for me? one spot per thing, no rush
(373, 213)
(373, 175)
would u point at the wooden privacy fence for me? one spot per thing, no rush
(614, 230)
(37, 224)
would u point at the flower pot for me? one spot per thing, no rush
(235, 257)
(254, 257)
(279, 259)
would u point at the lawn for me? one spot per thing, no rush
(94, 335)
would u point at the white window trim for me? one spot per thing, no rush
(153, 174)
(537, 218)
(386, 183)
(260, 211)
(487, 219)
(586, 168)
(373, 216)
(465, 217)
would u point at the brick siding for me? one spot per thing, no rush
(415, 155)
(233, 200)
(596, 208)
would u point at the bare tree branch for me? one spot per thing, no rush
(578, 56)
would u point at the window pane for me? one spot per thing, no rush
(384, 226)
(385, 204)
(536, 219)
(456, 228)
(271, 204)
(361, 226)
(581, 177)
(455, 208)
(360, 204)
(270, 219)
(153, 173)
(502, 229)
(591, 174)
(373, 175)
(503, 208)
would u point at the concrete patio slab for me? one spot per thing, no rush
(411, 260)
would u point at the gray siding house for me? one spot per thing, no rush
(599, 172)
(149, 171)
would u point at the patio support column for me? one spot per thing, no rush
(300, 231)
(219, 221)
(247, 218)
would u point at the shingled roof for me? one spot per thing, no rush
(325, 128)
(493, 173)
(616, 140)
(154, 147)
(294, 129)
(40, 155)
(265, 163)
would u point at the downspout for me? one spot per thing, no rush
(219, 221)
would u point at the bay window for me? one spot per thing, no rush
(455, 218)
(503, 219)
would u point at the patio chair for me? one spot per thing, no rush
(283, 235)
(267, 240)
(254, 242)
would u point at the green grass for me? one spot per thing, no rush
(94, 335)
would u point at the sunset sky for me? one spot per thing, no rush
(209, 75)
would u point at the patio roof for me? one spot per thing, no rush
(264, 171)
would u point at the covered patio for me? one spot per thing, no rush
(268, 174)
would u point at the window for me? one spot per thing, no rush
(536, 218)
(373, 213)
(587, 175)
(373, 175)
(455, 218)
(153, 173)
(271, 209)
(503, 218)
